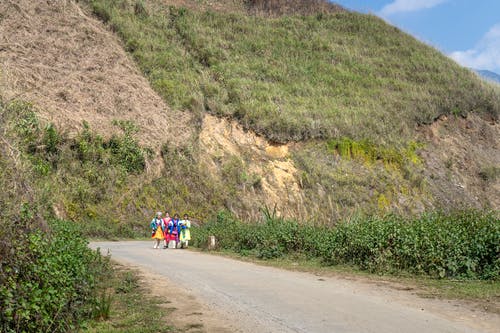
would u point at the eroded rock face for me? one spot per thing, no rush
(462, 161)
(268, 164)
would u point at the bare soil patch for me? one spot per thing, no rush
(462, 161)
(186, 312)
(268, 164)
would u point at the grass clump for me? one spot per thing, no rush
(490, 173)
(460, 245)
(128, 301)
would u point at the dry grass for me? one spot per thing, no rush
(458, 152)
(291, 7)
(75, 70)
(271, 8)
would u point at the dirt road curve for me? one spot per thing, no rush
(252, 298)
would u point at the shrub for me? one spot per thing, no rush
(490, 173)
(463, 244)
(127, 153)
(49, 281)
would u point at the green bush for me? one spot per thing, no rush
(127, 153)
(463, 244)
(49, 282)
(81, 175)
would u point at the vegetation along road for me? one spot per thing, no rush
(253, 298)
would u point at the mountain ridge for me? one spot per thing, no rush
(488, 75)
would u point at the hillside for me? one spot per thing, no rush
(235, 105)
(295, 78)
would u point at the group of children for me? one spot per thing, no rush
(172, 231)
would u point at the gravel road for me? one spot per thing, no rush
(264, 299)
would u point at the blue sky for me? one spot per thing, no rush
(466, 30)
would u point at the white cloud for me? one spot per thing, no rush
(486, 53)
(401, 6)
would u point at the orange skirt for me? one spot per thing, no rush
(158, 234)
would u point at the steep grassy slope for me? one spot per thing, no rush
(360, 89)
(297, 77)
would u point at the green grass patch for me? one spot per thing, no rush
(487, 291)
(296, 77)
(368, 152)
(133, 308)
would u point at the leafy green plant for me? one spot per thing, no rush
(51, 139)
(54, 288)
(102, 306)
(463, 244)
(127, 153)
